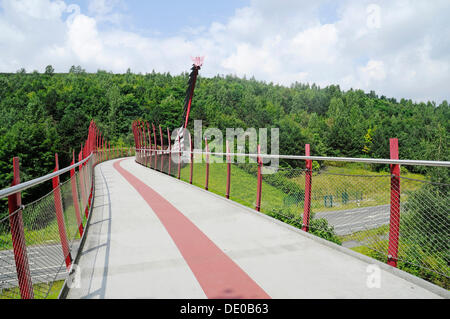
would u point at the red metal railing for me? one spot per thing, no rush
(39, 240)
(361, 202)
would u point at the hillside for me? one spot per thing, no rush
(41, 114)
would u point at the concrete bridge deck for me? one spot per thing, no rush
(152, 236)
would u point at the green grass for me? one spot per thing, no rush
(379, 232)
(412, 258)
(243, 185)
(372, 189)
(47, 235)
(40, 291)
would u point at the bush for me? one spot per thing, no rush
(318, 227)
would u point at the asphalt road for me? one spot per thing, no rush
(352, 220)
(46, 265)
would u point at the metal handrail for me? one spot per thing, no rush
(25, 185)
(317, 158)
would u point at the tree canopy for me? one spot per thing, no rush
(50, 112)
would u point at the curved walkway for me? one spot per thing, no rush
(152, 236)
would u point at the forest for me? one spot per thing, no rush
(46, 113)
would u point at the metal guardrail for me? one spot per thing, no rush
(314, 158)
(25, 185)
(393, 218)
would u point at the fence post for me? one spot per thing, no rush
(394, 224)
(59, 215)
(179, 157)
(82, 184)
(308, 182)
(18, 237)
(156, 147)
(170, 151)
(76, 203)
(192, 159)
(259, 183)
(150, 159)
(162, 148)
(207, 164)
(145, 144)
(227, 193)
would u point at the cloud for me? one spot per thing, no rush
(397, 48)
(105, 10)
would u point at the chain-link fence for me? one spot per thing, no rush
(350, 209)
(46, 257)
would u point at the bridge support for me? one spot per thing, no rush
(308, 180)
(394, 225)
(18, 238)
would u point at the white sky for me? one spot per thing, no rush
(396, 48)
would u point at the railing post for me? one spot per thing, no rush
(76, 203)
(18, 238)
(227, 193)
(207, 164)
(156, 148)
(145, 144)
(162, 148)
(308, 182)
(101, 150)
(192, 159)
(170, 151)
(394, 224)
(179, 157)
(59, 216)
(150, 159)
(259, 183)
(82, 185)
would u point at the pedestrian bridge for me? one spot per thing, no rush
(134, 223)
(153, 236)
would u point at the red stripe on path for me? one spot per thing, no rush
(217, 274)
